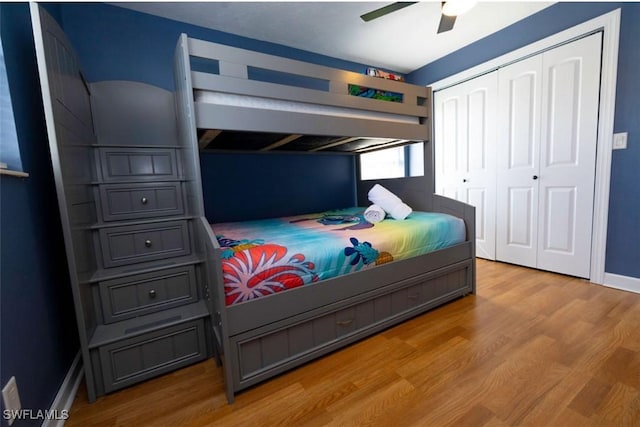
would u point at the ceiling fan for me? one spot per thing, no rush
(450, 10)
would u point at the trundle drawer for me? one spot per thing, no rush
(143, 200)
(294, 344)
(147, 293)
(147, 242)
(135, 359)
(138, 164)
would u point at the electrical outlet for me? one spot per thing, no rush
(620, 141)
(11, 400)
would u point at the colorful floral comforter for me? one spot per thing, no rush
(264, 257)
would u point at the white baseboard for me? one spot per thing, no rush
(67, 392)
(624, 283)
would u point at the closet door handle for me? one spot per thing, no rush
(535, 177)
(147, 243)
(144, 200)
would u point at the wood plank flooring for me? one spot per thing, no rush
(529, 349)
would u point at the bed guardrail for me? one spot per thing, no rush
(235, 65)
(347, 96)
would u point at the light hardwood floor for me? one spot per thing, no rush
(530, 348)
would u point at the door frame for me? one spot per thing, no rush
(609, 23)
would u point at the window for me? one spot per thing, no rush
(9, 150)
(395, 162)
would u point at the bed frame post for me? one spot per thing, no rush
(189, 143)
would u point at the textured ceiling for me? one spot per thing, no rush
(401, 41)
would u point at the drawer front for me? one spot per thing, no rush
(133, 201)
(274, 350)
(140, 243)
(136, 359)
(138, 164)
(147, 293)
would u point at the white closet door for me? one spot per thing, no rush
(518, 136)
(570, 91)
(548, 109)
(465, 132)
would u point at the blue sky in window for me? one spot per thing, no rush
(9, 150)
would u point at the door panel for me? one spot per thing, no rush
(519, 230)
(451, 152)
(563, 113)
(523, 118)
(477, 197)
(559, 233)
(518, 139)
(447, 150)
(570, 99)
(477, 102)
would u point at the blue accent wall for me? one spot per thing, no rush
(255, 186)
(37, 325)
(120, 44)
(623, 234)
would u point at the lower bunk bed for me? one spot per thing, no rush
(278, 304)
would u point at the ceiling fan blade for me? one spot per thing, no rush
(386, 10)
(446, 23)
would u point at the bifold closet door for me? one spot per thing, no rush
(546, 156)
(518, 151)
(465, 132)
(571, 90)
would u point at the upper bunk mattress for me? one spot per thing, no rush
(263, 257)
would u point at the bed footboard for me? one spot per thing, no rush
(468, 214)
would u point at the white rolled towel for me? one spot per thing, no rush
(378, 195)
(374, 214)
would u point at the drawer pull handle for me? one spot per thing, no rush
(147, 243)
(144, 200)
(344, 322)
(152, 293)
(414, 296)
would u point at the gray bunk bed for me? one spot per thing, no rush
(220, 103)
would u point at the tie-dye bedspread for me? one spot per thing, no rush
(263, 257)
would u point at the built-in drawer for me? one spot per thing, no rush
(141, 200)
(139, 358)
(276, 350)
(138, 164)
(144, 242)
(147, 293)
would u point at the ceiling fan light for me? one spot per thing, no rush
(457, 7)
